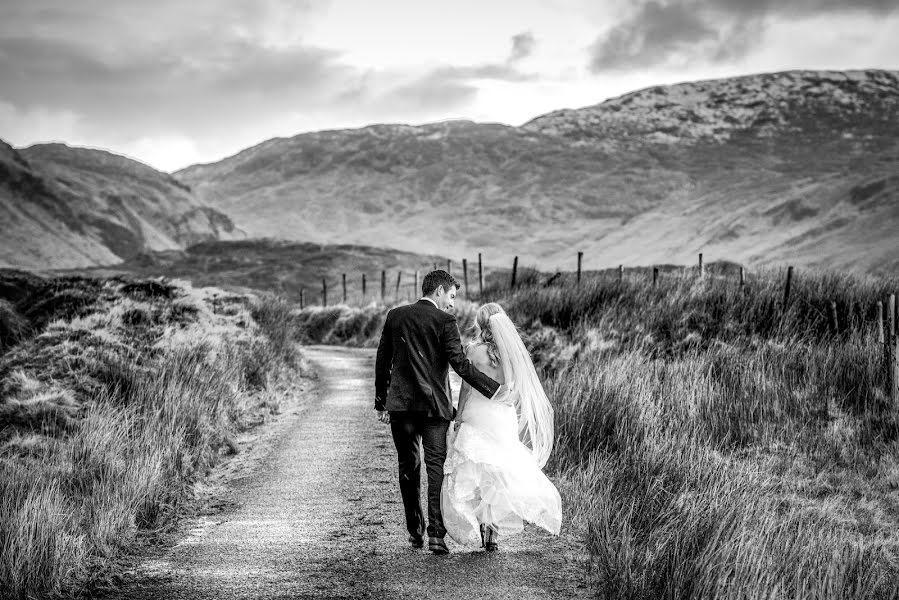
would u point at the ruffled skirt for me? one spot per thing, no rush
(491, 477)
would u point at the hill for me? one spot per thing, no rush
(74, 207)
(285, 268)
(796, 167)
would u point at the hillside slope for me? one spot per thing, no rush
(799, 166)
(73, 207)
(285, 268)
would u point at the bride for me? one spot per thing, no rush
(493, 480)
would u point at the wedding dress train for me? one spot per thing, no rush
(491, 477)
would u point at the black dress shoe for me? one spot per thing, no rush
(416, 541)
(437, 545)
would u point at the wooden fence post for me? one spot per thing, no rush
(302, 298)
(324, 292)
(894, 379)
(787, 286)
(383, 286)
(892, 351)
(514, 271)
(891, 316)
(655, 276)
(580, 257)
(465, 278)
(363, 287)
(480, 278)
(396, 295)
(889, 339)
(880, 338)
(344, 288)
(620, 272)
(834, 322)
(701, 267)
(449, 266)
(417, 290)
(742, 276)
(435, 266)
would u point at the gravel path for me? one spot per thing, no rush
(321, 517)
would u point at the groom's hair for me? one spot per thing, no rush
(435, 279)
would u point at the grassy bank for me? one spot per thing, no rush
(115, 398)
(358, 326)
(713, 441)
(732, 473)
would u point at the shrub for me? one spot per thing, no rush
(273, 315)
(359, 326)
(136, 317)
(142, 290)
(13, 326)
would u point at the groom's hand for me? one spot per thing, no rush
(384, 416)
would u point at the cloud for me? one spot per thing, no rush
(796, 8)
(652, 36)
(193, 92)
(677, 33)
(496, 72)
(426, 94)
(16, 123)
(430, 93)
(523, 45)
(132, 75)
(441, 88)
(228, 68)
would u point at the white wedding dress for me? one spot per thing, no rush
(491, 477)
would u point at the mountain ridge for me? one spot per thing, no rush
(795, 166)
(758, 169)
(68, 207)
(758, 95)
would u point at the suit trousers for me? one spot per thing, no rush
(410, 432)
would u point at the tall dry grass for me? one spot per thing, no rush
(726, 474)
(715, 443)
(712, 442)
(103, 437)
(344, 325)
(683, 309)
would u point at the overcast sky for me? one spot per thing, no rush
(175, 82)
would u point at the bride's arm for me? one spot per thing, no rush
(464, 393)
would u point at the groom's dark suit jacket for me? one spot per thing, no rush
(418, 345)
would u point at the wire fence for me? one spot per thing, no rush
(404, 285)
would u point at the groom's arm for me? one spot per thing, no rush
(452, 347)
(383, 363)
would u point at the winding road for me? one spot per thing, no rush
(321, 517)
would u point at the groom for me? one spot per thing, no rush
(419, 342)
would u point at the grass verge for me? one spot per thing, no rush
(116, 397)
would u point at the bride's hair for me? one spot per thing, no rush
(533, 409)
(484, 334)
